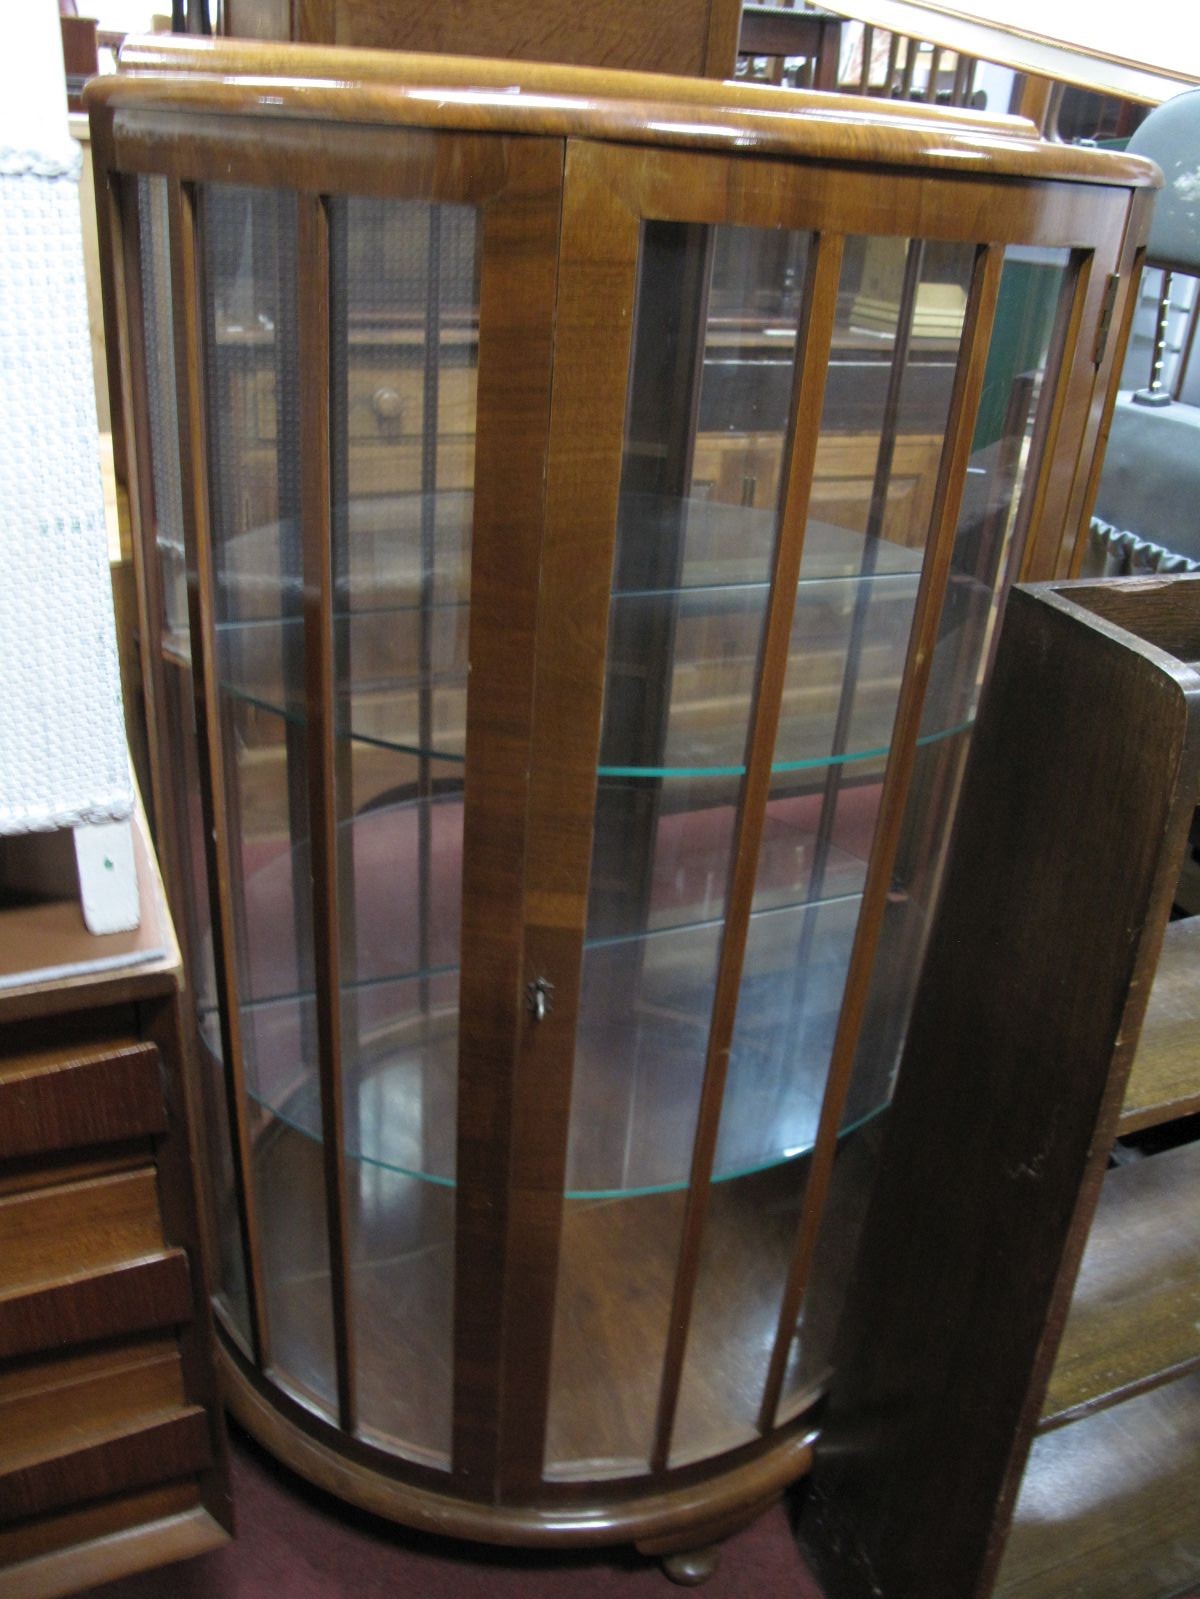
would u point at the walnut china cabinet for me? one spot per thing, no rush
(574, 509)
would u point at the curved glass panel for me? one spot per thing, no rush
(901, 310)
(714, 359)
(1024, 358)
(247, 249)
(405, 289)
(195, 913)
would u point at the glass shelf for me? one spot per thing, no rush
(400, 1020)
(383, 633)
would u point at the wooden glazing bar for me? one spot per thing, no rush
(429, 449)
(188, 291)
(120, 196)
(598, 254)
(286, 369)
(313, 310)
(813, 345)
(964, 407)
(340, 482)
(518, 292)
(876, 513)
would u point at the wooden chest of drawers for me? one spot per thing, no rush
(112, 1452)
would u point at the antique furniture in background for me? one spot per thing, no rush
(573, 511)
(1054, 54)
(696, 38)
(988, 1312)
(112, 1441)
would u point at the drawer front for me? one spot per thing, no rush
(87, 1260)
(76, 1098)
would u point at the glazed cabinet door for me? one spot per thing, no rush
(802, 438)
(342, 356)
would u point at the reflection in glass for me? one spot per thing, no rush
(158, 334)
(901, 310)
(219, 1193)
(247, 240)
(1035, 286)
(405, 295)
(716, 330)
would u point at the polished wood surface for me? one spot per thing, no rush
(593, 1516)
(935, 575)
(1164, 1083)
(319, 670)
(686, 36)
(56, 1097)
(201, 583)
(507, 1198)
(1134, 1321)
(514, 1332)
(1010, 1087)
(452, 93)
(1108, 1506)
(815, 336)
(111, 1439)
(131, 1533)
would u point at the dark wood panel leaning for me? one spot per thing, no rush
(573, 509)
(1076, 805)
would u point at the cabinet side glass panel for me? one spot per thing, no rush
(248, 254)
(897, 335)
(405, 333)
(1018, 389)
(158, 333)
(192, 901)
(712, 373)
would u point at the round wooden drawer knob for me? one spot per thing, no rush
(387, 404)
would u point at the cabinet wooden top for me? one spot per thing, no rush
(479, 96)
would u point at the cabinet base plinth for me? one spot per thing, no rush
(665, 1518)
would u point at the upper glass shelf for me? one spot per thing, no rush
(401, 635)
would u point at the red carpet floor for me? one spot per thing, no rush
(295, 1543)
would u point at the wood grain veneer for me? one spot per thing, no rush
(1164, 1082)
(111, 1443)
(356, 1273)
(452, 93)
(1108, 1506)
(1011, 1089)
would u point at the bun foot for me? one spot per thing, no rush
(691, 1567)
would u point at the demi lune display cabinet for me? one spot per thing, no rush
(573, 515)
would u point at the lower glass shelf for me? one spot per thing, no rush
(639, 1063)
